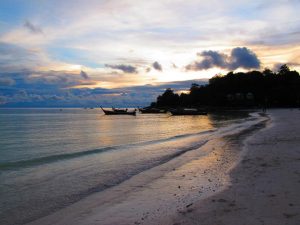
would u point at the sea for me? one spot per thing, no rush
(52, 158)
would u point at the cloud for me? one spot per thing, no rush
(33, 28)
(51, 95)
(16, 58)
(211, 59)
(124, 68)
(157, 66)
(238, 58)
(6, 81)
(2, 100)
(243, 57)
(54, 79)
(84, 75)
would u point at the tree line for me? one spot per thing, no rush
(241, 89)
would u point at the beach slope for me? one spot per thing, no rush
(264, 186)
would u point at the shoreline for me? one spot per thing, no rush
(264, 186)
(164, 191)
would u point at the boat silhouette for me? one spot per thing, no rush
(115, 111)
(187, 111)
(151, 110)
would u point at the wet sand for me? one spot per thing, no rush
(246, 175)
(264, 187)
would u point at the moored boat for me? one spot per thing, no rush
(114, 111)
(151, 110)
(119, 110)
(187, 111)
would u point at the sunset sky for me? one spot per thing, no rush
(125, 52)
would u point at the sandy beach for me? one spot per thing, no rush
(246, 175)
(265, 186)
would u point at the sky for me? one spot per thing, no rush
(126, 52)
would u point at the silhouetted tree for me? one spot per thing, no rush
(168, 99)
(253, 88)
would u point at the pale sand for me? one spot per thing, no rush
(197, 188)
(265, 186)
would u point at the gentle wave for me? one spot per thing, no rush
(173, 138)
(54, 158)
(49, 159)
(146, 166)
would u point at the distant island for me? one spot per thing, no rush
(241, 89)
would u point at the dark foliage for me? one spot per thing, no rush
(250, 89)
(168, 99)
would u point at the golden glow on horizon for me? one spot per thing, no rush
(75, 67)
(182, 92)
(173, 64)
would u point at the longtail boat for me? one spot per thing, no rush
(187, 111)
(114, 111)
(152, 110)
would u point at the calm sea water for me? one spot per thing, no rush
(51, 158)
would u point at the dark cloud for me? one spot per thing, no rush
(238, 58)
(56, 92)
(157, 66)
(6, 81)
(84, 75)
(56, 98)
(2, 100)
(245, 58)
(33, 28)
(124, 68)
(210, 59)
